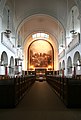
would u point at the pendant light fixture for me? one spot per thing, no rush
(8, 31)
(62, 42)
(73, 31)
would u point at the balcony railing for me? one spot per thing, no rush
(62, 54)
(75, 41)
(6, 42)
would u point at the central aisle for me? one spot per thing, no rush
(40, 103)
(41, 98)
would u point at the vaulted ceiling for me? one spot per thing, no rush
(40, 15)
(56, 8)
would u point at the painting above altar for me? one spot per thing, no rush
(40, 54)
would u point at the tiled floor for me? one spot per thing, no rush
(40, 103)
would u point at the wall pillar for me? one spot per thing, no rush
(0, 27)
(80, 27)
(0, 35)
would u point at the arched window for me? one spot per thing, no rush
(40, 35)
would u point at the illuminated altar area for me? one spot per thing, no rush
(40, 52)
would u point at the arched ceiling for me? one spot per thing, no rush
(55, 8)
(24, 8)
(40, 23)
(40, 15)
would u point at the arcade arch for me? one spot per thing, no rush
(69, 66)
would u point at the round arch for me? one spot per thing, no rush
(51, 40)
(42, 55)
(4, 63)
(40, 23)
(4, 58)
(69, 66)
(76, 58)
(77, 63)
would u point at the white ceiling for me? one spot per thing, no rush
(55, 8)
(41, 15)
(40, 23)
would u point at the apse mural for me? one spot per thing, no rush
(41, 54)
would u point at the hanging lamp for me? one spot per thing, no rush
(8, 31)
(73, 31)
(62, 42)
